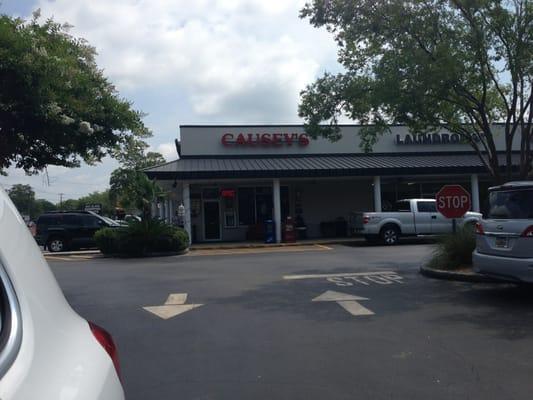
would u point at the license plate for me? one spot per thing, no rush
(502, 242)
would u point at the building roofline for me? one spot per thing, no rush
(326, 173)
(311, 155)
(291, 125)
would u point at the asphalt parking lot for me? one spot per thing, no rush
(317, 322)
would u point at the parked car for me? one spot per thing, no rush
(47, 351)
(64, 230)
(132, 218)
(504, 241)
(411, 217)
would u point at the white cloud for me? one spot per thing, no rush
(219, 55)
(182, 61)
(168, 150)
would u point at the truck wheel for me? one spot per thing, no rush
(56, 244)
(390, 235)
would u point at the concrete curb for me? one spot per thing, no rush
(456, 276)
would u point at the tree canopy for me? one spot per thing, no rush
(23, 196)
(462, 64)
(56, 105)
(96, 197)
(129, 186)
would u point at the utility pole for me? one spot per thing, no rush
(61, 201)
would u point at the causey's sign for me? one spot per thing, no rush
(265, 139)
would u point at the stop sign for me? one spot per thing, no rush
(453, 201)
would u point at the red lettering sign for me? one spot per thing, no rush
(226, 138)
(264, 139)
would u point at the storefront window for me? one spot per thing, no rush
(409, 190)
(264, 204)
(210, 194)
(246, 202)
(285, 202)
(256, 204)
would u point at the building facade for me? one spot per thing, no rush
(229, 180)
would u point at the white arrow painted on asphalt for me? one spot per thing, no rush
(175, 305)
(347, 301)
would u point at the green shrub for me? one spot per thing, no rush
(454, 250)
(106, 240)
(142, 238)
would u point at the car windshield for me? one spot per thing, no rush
(511, 204)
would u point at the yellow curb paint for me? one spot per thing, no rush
(287, 249)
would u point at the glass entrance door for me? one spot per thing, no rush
(211, 220)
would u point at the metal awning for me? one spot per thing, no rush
(321, 166)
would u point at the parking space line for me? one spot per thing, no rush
(69, 258)
(57, 258)
(319, 276)
(83, 257)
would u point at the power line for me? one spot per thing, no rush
(52, 179)
(45, 191)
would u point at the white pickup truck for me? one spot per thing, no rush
(412, 217)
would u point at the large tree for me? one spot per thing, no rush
(129, 186)
(462, 64)
(56, 106)
(23, 197)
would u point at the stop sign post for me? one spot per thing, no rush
(453, 201)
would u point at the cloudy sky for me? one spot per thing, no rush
(188, 62)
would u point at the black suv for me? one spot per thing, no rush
(64, 230)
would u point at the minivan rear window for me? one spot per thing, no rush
(511, 204)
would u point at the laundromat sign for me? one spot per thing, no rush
(435, 139)
(264, 139)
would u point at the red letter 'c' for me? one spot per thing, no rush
(226, 138)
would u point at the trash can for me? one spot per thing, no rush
(289, 234)
(270, 232)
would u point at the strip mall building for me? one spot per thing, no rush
(231, 179)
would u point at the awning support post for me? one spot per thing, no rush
(186, 198)
(170, 211)
(377, 194)
(277, 209)
(474, 184)
(153, 208)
